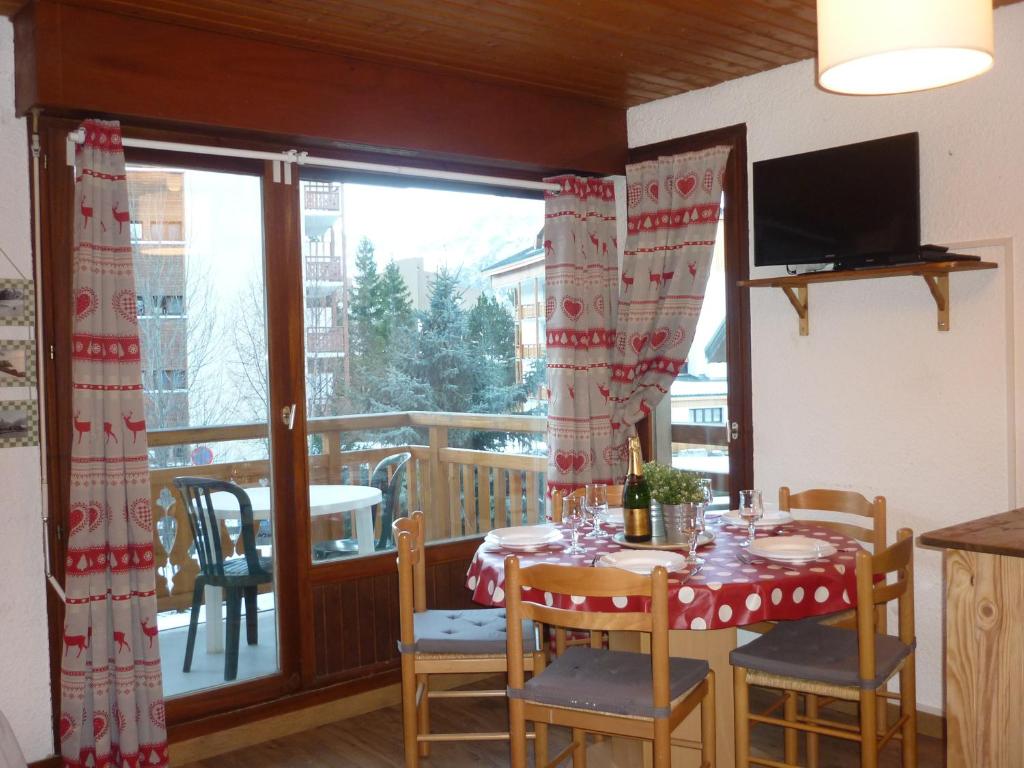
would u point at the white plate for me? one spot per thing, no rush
(791, 549)
(770, 520)
(524, 537)
(703, 538)
(643, 561)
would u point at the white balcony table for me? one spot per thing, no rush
(323, 500)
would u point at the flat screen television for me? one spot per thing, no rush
(855, 205)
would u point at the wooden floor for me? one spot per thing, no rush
(375, 739)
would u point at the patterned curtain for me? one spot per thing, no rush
(112, 709)
(580, 272)
(672, 208)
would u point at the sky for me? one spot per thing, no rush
(445, 228)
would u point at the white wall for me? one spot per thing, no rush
(875, 399)
(24, 664)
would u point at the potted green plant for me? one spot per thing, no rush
(671, 486)
(679, 493)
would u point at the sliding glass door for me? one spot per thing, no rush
(197, 242)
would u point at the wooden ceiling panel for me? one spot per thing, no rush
(616, 52)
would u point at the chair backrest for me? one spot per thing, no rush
(846, 502)
(412, 582)
(558, 499)
(205, 525)
(387, 478)
(589, 582)
(875, 589)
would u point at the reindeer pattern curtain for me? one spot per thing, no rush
(673, 206)
(580, 272)
(112, 709)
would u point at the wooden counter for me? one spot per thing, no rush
(984, 585)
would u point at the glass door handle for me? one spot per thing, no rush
(734, 431)
(288, 416)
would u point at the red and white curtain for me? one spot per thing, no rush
(112, 708)
(580, 272)
(672, 210)
(615, 345)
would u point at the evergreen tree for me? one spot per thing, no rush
(397, 316)
(365, 311)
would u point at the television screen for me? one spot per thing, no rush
(855, 203)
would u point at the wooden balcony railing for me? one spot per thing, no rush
(462, 492)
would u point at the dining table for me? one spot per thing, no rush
(323, 500)
(706, 604)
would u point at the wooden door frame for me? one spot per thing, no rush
(737, 267)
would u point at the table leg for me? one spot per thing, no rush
(214, 620)
(364, 530)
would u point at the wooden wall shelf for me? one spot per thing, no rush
(935, 274)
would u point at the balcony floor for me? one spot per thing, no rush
(208, 668)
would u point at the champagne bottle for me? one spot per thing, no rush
(636, 497)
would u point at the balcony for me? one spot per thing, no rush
(320, 269)
(325, 340)
(463, 492)
(321, 197)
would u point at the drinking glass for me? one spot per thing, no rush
(709, 494)
(751, 510)
(574, 515)
(597, 506)
(693, 526)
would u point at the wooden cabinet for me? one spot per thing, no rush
(984, 664)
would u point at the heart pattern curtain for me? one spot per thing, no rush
(112, 709)
(580, 272)
(673, 205)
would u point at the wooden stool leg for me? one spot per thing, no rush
(792, 746)
(741, 711)
(409, 711)
(707, 725)
(908, 707)
(517, 734)
(811, 709)
(423, 714)
(868, 723)
(540, 744)
(662, 743)
(579, 750)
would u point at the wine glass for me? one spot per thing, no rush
(575, 516)
(709, 494)
(751, 510)
(693, 526)
(597, 506)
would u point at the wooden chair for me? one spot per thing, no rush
(596, 690)
(852, 663)
(437, 642)
(239, 577)
(558, 503)
(558, 499)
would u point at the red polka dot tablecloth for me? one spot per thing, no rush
(727, 592)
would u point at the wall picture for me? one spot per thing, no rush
(19, 423)
(17, 363)
(17, 302)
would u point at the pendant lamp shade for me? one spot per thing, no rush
(896, 46)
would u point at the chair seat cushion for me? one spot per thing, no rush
(618, 682)
(809, 650)
(471, 632)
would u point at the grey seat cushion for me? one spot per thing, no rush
(608, 681)
(477, 631)
(809, 650)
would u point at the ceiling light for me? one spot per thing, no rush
(896, 46)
